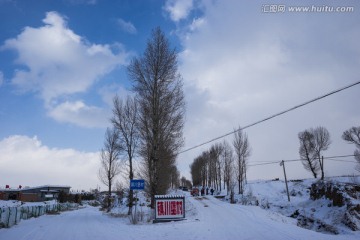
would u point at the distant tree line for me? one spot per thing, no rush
(223, 165)
(148, 125)
(73, 197)
(185, 182)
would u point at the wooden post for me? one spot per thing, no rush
(282, 163)
(135, 217)
(322, 164)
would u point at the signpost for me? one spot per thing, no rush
(137, 184)
(167, 207)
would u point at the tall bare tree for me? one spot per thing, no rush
(322, 143)
(110, 164)
(199, 169)
(158, 88)
(175, 177)
(212, 171)
(352, 135)
(215, 153)
(228, 159)
(242, 150)
(307, 152)
(124, 119)
(195, 170)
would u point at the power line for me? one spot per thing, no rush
(343, 156)
(342, 160)
(272, 116)
(260, 164)
(298, 160)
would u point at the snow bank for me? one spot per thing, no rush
(319, 214)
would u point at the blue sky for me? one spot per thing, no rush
(61, 62)
(123, 23)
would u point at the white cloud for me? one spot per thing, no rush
(80, 114)
(110, 91)
(196, 24)
(127, 26)
(178, 9)
(58, 62)
(240, 66)
(26, 161)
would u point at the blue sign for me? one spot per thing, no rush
(138, 184)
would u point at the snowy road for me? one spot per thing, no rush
(214, 220)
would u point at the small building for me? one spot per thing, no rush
(34, 194)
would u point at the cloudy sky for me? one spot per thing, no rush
(62, 61)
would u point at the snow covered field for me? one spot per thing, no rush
(206, 218)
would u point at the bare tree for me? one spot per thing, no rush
(307, 152)
(322, 143)
(183, 181)
(352, 135)
(242, 151)
(125, 115)
(208, 169)
(228, 159)
(110, 164)
(195, 170)
(158, 88)
(199, 169)
(175, 177)
(218, 148)
(211, 169)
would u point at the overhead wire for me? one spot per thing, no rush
(342, 160)
(331, 158)
(270, 117)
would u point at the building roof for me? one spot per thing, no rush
(169, 196)
(32, 188)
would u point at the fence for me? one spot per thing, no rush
(9, 216)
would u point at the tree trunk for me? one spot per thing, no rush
(109, 198)
(321, 168)
(131, 192)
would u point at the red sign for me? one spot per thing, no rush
(168, 207)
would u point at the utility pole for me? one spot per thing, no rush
(282, 163)
(322, 163)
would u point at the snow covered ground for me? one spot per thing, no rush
(271, 195)
(206, 218)
(14, 203)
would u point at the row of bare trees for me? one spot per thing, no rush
(148, 125)
(314, 141)
(223, 165)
